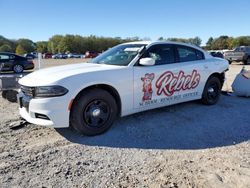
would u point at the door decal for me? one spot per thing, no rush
(147, 86)
(168, 83)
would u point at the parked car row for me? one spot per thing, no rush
(239, 54)
(88, 54)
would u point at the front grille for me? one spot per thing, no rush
(28, 91)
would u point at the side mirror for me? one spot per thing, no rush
(147, 61)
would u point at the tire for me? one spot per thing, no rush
(4, 93)
(247, 62)
(93, 112)
(11, 95)
(211, 92)
(18, 68)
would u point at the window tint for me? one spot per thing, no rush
(4, 57)
(12, 57)
(199, 55)
(162, 54)
(189, 54)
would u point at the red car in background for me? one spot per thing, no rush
(90, 54)
(47, 55)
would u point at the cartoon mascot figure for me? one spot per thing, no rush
(147, 86)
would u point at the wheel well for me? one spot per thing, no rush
(107, 88)
(221, 77)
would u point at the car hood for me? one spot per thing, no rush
(52, 75)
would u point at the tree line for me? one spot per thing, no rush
(226, 42)
(195, 41)
(81, 44)
(219, 43)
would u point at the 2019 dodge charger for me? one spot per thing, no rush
(126, 79)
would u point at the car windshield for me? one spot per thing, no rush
(119, 55)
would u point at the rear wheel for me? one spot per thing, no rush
(212, 90)
(18, 68)
(93, 112)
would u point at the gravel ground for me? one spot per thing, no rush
(185, 145)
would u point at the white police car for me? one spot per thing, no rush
(126, 79)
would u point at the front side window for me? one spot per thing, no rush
(189, 54)
(119, 55)
(162, 54)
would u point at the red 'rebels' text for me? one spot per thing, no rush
(168, 83)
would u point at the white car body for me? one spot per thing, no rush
(139, 87)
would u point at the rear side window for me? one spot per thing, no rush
(4, 57)
(162, 54)
(188, 54)
(199, 55)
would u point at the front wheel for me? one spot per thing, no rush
(93, 112)
(212, 90)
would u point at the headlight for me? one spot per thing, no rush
(50, 91)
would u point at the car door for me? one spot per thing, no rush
(195, 71)
(175, 77)
(151, 82)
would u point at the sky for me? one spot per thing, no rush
(40, 19)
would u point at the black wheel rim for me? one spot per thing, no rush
(213, 92)
(18, 68)
(96, 113)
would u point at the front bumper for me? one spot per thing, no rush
(55, 109)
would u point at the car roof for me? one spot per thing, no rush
(149, 43)
(7, 53)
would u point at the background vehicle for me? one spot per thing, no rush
(239, 54)
(74, 55)
(59, 56)
(90, 54)
(47, 55)
(216, 54)
(16, 63)
(29, 56)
